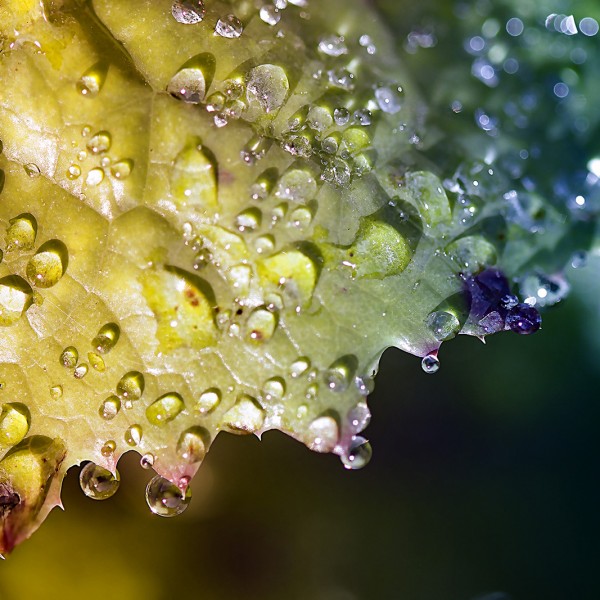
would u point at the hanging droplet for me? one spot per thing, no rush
(229, 27)
(299, 367)
(131, 386)
(364, 385)
(147, 461)
(108, 449)
(106, 338)
(81, 371)
(165, 409)
(122, 169)
(273, 389)
(261, 325)
(166, 499)
(358, 455)
(46, 267)
(193, 79)
(322, 434)
(110, 408)
(97, 482)
(91, 82)
(193, 444)
(208, 401)
(359, 417)
(100, 142)
(133, 435)
(15, 420)
(69, 357)
(188, 12)
(340, 373)
(16, 296)
(21, 233)
(430, 363)
(443, 325)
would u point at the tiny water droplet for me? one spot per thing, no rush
(106, 338)
(333, 45)
(267, 86)
(92, 81)
(56, 392)
(131, 385)
(69, 357)
(192, 80)
(73, 172)
(147, 461)
(165, 499)
(208, 401)
(122, 169)
(46, 267)
(389, 98)
(108, 449)
(193, 444)
(341, 116)
(188, 12)
(100, 142)
(165, 408)
(358, 455)
(524, 319)
(296, 185)
(32, 170)
(264, 244)
(16, 296)
(97, 482)
(359, 417)
(110, 408)
(133, 435)
(430, 363)
(270, 14)
(229, 27)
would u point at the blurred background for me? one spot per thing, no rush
(483, 483)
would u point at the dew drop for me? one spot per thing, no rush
(430, 363)
(122, 169)
(73, 172)
(106, 338)
(301, 217)
(270, 14)
(32, 170)
(264, 244)
(15, 420)
(296, 185)
(21, 233)
(249, 219)
(193, 444)
(389, 99)
(358, 455)
(165, 499)
(110, 408)
(333, 45)
(108, 449)
(69, 357)
(322, 434)
(131, 385)
(16, 296)
(261, 325)
(229, 27)
(359, 417)
(56, 392)
(147, 461)
(92, 81)
(133, 435)
(208, 401)
(443, 325)
(81, 371)
(273, 389)
(246, 416)
(100, 142)
(97, 482)
(268, 86)
(193, 79)
(341, 116)
(165, 409)
(46, 267)
(188, 12)
(340, 373)
(524, 319)
(299, 367)
(95, 176)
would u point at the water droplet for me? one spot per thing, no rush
(333, 45)
(110, 408)
(301, 217)
(46, 267)
(359, 417)
(21, 233)
(97, 482)
(255, 149)
(122, 169)
(341, 78)
(208, 401)
(268, 86)
(81, 371)
(193, 79)
(264, 244)
(322, 434)
(81, 155)
(100, 142)
(16, 297)
(273, 389)
(229, 27)
(524, 319)
(15, 420)
(106, 338)
(249, 219)
(188, 12)
(358, 455)
(147, 461)
(95, 176)
(165, 408)
(56, 392)
(319, 118)
(165, 499)
(261, 325)
(133, 435)
(299, 367)
(430, 363)
(443, 325)
(341, 116)
(296, 185)
(340, 373)
(108, 449)
(32, 170)
(91, 82)
(246, 416)
(389, 99)
(363, 117)
(270, 14)
(73, 172)
(193, 444)
(543, 290)
(131, 386)
(364, 385)
(69, 357)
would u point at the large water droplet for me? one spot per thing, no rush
(188, 12)
(229, 26)
(106, 338)
(296, 185)
(193, 79)
(358, 455)
(21, 233)
(208, 401)
(193, 444)
(443, 325)
(131, 386)
(133, 435)
(261, 325)
(46, 267)
(110, 408)
(97, 482)
(268, 86)
(91, 82)
(165, 499)
(340, 373)
(15, 421)
(322, 434)
(100, 142)
(165, 409)
(16, 296)
(69, 357)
